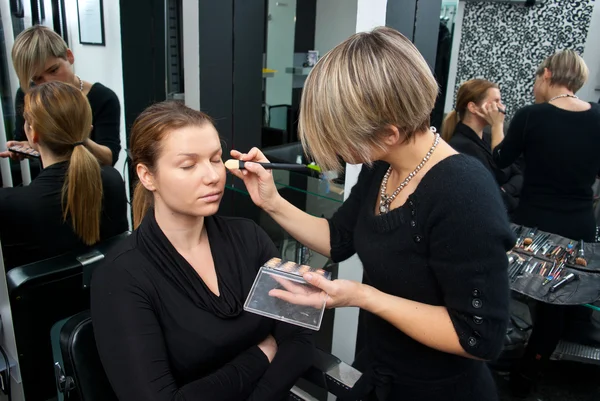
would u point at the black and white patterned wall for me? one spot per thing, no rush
(506, 43)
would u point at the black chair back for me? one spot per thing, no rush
(41, 294)
(82, 377)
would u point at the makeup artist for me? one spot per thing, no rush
(167, 306)
(427, 223)
(36, 221)
(463, 129)
(559, 137)
(40, 55)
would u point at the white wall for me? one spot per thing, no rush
(101, 63)
(335, 21)
(191, 53)
(280, 50)
(591, 55)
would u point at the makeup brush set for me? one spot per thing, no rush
(542, 263)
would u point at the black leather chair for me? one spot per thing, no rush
(41, 294)
(81, 377)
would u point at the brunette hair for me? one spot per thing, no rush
(474, 91)
(61, 115)
(148, 131)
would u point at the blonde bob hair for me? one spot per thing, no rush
(370, 81)
(567, 68)
(32, 48)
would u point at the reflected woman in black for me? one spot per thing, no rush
(559, 137)
(463, 129)
(167, 306)
(74, 202)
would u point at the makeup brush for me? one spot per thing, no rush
(233, 164)
(530, 236)
(581, 255)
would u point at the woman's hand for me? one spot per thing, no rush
(337, 293)
(491, 113)
(14, 155)
(259, 182)
(269, 347)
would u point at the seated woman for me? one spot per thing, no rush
(40, 55)
(463, 130)
(73, 202)
(167, 305)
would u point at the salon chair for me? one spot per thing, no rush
(80, 376)
(42, 293)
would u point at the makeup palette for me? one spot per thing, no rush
(25, 151)
(280, 292)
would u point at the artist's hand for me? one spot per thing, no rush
(337, 293)
(14, 155)
(491, 113)
(259, 182)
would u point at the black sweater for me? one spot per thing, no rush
(163, 335)
(510, 179)
(445, 246)
(31, 217)
(562, 158)
(106, 118)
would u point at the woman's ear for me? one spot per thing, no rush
(146, 177)
(70, 56)
(391, 135)
(547, 74)
(473, 108)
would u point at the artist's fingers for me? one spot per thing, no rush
(290, 285)
(321, 282)
(236, 154)
(480, 114)
(315, 300)
(238, 173)
(255, 155)
(259, 170)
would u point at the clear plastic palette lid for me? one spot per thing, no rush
(287, 276)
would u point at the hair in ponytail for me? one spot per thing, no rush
(449, 125)
(474, 91)
(148, 131)
(61, 115)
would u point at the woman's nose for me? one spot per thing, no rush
(211, 175)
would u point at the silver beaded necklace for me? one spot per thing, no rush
(80, 83)
(385, 200)
(563, 95)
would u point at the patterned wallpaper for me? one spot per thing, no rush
(505, 43)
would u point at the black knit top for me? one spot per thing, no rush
(445, 246)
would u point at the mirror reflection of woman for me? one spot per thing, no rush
(463, 129)
(559, 137)
(40, 55)
(74, 202)
(427, 223)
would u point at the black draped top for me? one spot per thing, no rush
(163, 335)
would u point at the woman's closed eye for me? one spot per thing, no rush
(188, 166)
